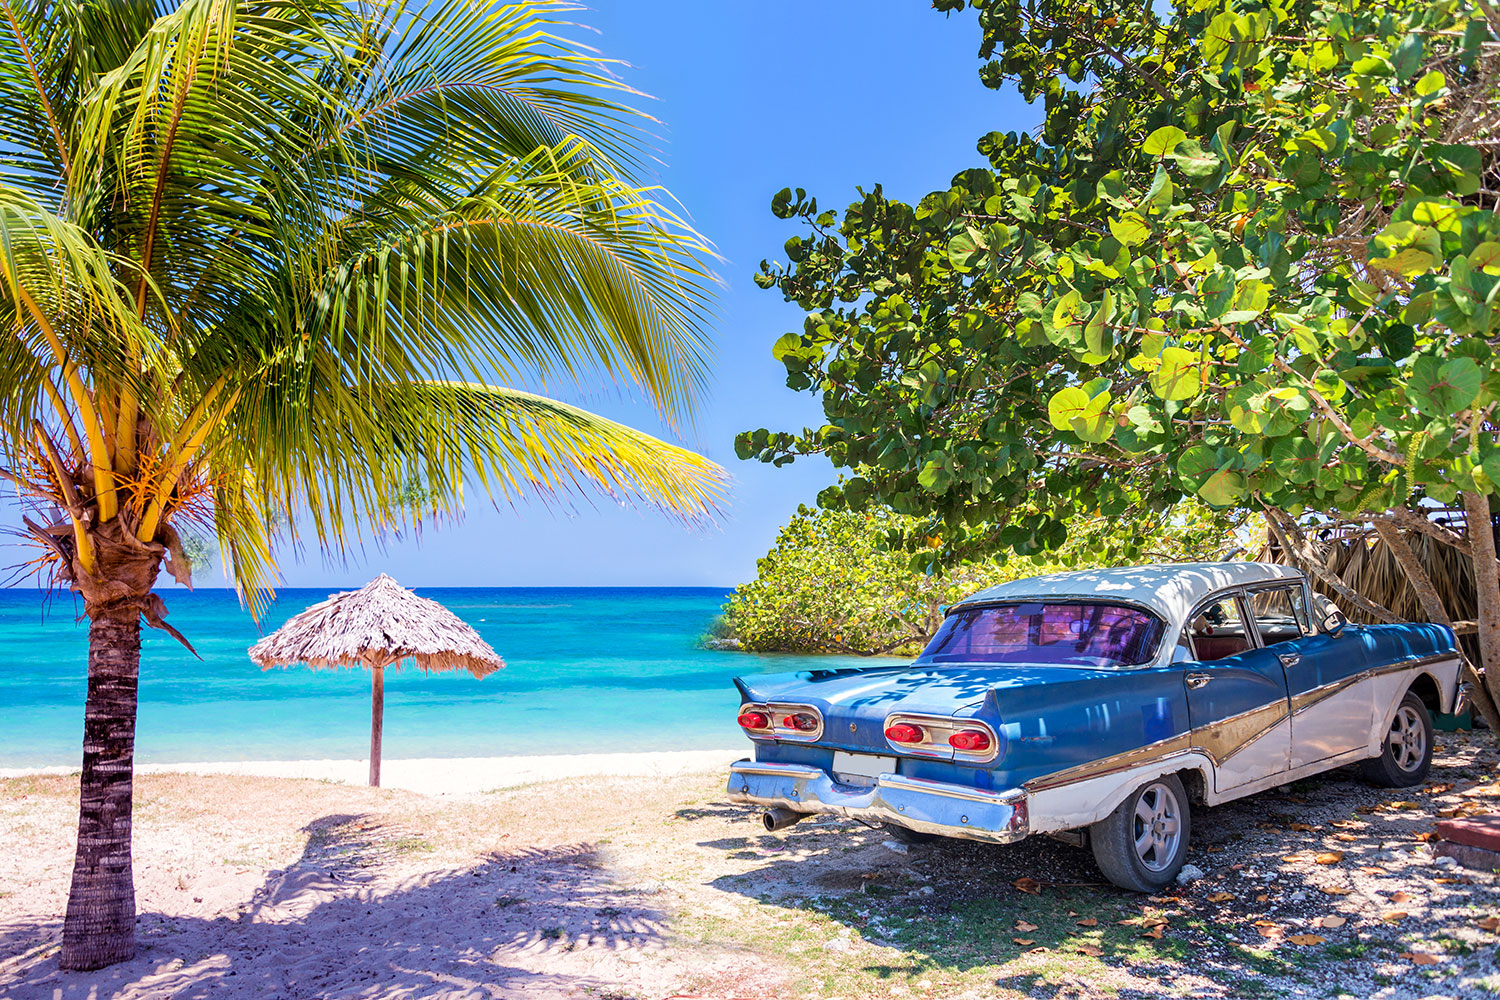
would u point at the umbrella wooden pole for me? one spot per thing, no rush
(377, 721)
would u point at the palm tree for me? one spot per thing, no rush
(265, 266)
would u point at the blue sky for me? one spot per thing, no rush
(753, 97)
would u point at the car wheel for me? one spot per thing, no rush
(1406, 752)
(902, 835)
(1143, 843)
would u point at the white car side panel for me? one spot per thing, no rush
(1068, 807)
(1389, 689)
(1337, 724)
(1266, 754)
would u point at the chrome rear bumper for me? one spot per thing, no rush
(925, 806)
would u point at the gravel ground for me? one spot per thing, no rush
(1327, 888)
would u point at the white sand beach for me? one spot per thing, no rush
(448, 775)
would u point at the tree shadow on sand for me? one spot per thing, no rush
(529, 923)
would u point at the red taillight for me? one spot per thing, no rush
(802, 722)
(903, 732)
(755, 720)
(970, 741)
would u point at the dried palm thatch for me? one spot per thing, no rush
(1356, 554)
(382, 625)
(1398, 565)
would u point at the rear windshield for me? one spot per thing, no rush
(1082, 633)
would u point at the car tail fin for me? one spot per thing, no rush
(745, 694)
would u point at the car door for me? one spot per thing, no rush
(1237, 693)
(1331, 706)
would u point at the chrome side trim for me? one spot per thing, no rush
(1125, 761)
(1313, 696)
(1223, 739)
(917, 804)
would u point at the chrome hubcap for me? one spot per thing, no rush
(1158, 826)
(1408, 739)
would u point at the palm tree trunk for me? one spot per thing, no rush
(99, 928)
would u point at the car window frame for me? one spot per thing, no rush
(1304, 623)
(1252, 634)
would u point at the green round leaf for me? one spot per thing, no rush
(1177, 378)
(1163, 140)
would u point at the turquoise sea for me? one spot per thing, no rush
(588, 671)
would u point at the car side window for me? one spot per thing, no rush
(1218, 630)
(1280, 614)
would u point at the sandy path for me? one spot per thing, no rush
(261, 887)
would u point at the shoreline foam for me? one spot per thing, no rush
(447, 775)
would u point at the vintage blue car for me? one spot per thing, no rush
(1097, 707)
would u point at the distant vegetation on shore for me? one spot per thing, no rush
(834, 583)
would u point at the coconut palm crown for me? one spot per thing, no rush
(266, 266)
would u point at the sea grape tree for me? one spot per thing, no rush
(1250, 256)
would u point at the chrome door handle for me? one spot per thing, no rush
(1289, 659)
(1196, 681)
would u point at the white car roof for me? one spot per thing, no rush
(1170, 589)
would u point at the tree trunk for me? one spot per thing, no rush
(99, 928)
(1486, 588)
(377, 722)
(1416, 573)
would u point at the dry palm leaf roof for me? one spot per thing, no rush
(379, 625)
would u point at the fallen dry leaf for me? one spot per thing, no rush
(1154, 932)
(1024, 942)
(1427, 837)
(1438, 789)
(1404, 804)
(1491, 924)
(1400, 897)
(1306, 939)
(1332, 922)
(1347, 824)
(1372, 870)
(1024, 927)
(1221, 897)
(1262, 898)
(1038, 948)
(1030, 885)
(1091, 950)
(1420, 958)
(1301, 827)
(1329, 857)
(1267, 929)
(1089, 922)
(1393, 916)
(1293, 859)
(1450, 881)
(1072, 913)
(1333, 890)
(1347, 838)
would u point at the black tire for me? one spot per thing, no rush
(1142, 845)
(1406, 752)
(902, 835)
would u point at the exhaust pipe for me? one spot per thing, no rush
(780, 819)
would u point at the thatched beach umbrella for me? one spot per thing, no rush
(378, 626)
